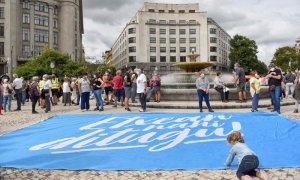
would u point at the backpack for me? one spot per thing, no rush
(32, 92)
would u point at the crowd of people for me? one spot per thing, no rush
(49, 90)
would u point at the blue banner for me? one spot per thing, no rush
(149, 141)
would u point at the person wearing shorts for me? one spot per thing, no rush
(240, 82)
(118, 88)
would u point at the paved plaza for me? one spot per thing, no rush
(15, 120)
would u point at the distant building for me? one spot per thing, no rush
(28, 26)
(160, 35)
(297, 45)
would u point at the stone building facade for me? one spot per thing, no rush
(29, 26)
(160, 35)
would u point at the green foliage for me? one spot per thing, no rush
(104, 67)
(243, 51)
(40, 65)
(284, 55)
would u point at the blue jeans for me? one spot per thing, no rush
(78, 97)
(202, 94)
(247, 166)
(7, 101)
(98, 96)
(85, 100)
(19, 98)
(255, 100)
(143, 100)
(23, 97)
(276, 98)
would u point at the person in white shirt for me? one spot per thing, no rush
(66, 87)
(47, 90)
(17, 84)
(141, 88)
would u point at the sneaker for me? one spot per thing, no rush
(211, 110)
(114, 106)
(247, 177)
(96, 109)
(101, 109)
(295, 111)
(34, 112)
(141, 110)
(128, 109)
(264, 175)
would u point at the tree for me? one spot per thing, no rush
(40, 65)
(243, 51)
(286, 57)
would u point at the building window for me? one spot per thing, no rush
(55, 23)
(181, 11)
(213, 31)
(162, 49)
(132, 58)
(192, 22)
(152, 21)
(152, 68)
(152, 49)
(182, 21)
(132, 40)
(26, 18)
(182, 49)
(75, 28)
(193, 49)
(192, 40)
(1, 49)
(172, 21)
(161, 11)
(152, 40)
(181, 31)
(41, 6)
(171, 11)
(152, 58)
(132, 49)
(213, 58)
(213, 40)
(25, 4)
(172, 31)
(55, 37)
(172, 40)
(2, 1)
(26, 34)
(162, 31)
(151, 10)
(172, 58)
(163, 68)
(26, 51)
(213, 49)
(55, 10)
(75, 15)
(41, 20)
(1, 12)
(162, 22)
(182, 40)
(75, 40)
(192, 11)
(1, 30)
(38, 50)
(182, 58)
(163, 59)
(172, 49)
(152, 31)
(41, 35)
(162, 40)
(192, 31)
(131, 31)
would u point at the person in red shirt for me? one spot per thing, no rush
(118, 88)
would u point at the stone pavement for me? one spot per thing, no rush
(15, 120)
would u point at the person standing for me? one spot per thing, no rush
(240, 82)
(97, 87)
(42, 94)
(47, 91)
(275, 78)
(127, 88)
(7, 94)
(1, 96)
(296, 93)
(17, 84)
(118, 88)
(254, 90)
(55, 88)
(155, 84)
(133, 85)
(66, 87)
(24, 89)
(202, 85)
(220, 87)
(141, 89)
(84, 89)
(107, 84)
(289, 80)
(35, 93)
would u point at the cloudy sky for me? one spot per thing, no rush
(271, 23)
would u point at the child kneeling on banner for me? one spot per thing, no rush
(248, 161)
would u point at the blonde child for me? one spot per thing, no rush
(248, 161)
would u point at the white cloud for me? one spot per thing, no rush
(272, 24)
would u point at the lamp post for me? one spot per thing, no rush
(52, 66)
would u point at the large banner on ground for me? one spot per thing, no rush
(149, 141)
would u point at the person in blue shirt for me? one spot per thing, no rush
(247, 159)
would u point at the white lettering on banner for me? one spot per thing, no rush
(156, 134)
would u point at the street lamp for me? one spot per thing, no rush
(52, 66)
